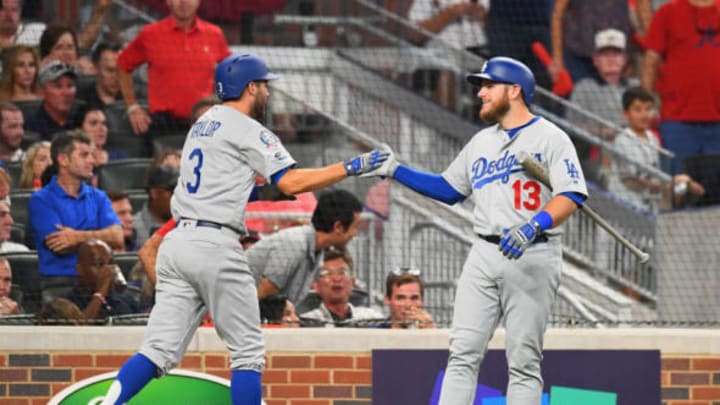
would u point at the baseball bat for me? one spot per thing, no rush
(534, 168)
(563, 85)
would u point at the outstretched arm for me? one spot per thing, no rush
(295, 181)
(428, 184)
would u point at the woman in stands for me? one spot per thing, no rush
(37, 159)
(94, 124)
(19, 74)
(59, 42)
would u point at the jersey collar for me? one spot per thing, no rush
(514, 131)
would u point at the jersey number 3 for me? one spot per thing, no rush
(532, 197)
(192, 188)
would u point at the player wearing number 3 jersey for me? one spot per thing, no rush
(201, 266)
(513, 270)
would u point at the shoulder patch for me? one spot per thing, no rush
(268, 138)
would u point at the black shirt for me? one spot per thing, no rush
(117, 304)
(40, 121)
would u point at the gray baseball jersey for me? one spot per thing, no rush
(503, 194)
(287, 258)
(204, 268)
(491, 286)
(222, 154)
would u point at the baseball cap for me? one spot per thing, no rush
(163, 177)
(610, 38)
(54, 70)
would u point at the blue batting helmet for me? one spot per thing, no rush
(236, 71)
(506, 70)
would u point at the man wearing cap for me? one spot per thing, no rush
(59, 110)
(160, 184)
(68, 212)
(601, 95)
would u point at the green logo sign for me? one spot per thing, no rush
(178, 386)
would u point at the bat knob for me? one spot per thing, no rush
(644, 258)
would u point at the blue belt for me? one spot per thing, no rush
(211, 224)
(495, 239)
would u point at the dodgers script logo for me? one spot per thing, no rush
(486, 171)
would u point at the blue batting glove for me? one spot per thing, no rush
(515, 240)
(366, 162)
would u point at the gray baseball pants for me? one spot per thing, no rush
(490, 287)
(202, 269)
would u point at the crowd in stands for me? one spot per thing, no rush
(605, 48)
(70, 103)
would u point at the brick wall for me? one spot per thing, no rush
(690, 380)
(298, 379)
(290, 379)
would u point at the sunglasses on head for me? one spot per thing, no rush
(61, 66)
(397, 271)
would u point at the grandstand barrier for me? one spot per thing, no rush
(330, 366)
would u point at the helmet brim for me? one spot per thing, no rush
(476, 79)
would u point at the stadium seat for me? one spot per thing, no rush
(126, 261)
(28, 107)
(134, 146)
(117, 117)
(29, 138)
(26, 275)
(705, 169)
(15, 171)
(17, 233)
(19, 207)
(137, 200)
(163, 143)
(124, 175)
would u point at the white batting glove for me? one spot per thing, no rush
(387, 169)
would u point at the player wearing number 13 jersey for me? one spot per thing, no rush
(201, 265)
(513, 269)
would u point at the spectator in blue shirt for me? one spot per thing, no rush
(67, 211)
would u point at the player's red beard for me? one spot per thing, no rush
(494, 114)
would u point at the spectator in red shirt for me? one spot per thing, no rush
(181, 51)
(682, 62)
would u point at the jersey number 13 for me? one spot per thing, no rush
(527, 194)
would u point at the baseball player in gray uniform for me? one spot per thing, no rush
(201, 265)
(513, 269)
